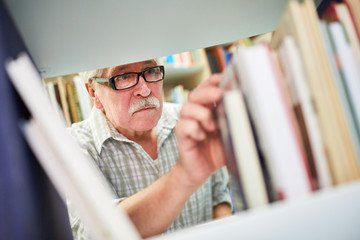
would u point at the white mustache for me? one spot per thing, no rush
(149, 101)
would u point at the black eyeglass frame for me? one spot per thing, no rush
(111, 81)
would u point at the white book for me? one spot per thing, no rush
(178, 94)
(50, 87)
(245, 151)
(84, 98)
(277, 136)
(349, 68)
(350, 29)
(339, 80)
(297, 82)
(73, 175)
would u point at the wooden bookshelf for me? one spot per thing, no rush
(188, 77)
(326, 214)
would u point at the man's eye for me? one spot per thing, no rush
(153, 71)
(122, 77)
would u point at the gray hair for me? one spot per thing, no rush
(87, 75)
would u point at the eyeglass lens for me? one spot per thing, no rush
(128, 80)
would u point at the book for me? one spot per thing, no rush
(179, 60)
(219, 55)
(74, 176)
(54, 97)
(213, 62)
(261, 38)
(300, 20)
(243, 161)
(277, 138)
(235, 184)
(83, 96)
(352, 164)
(64, 99)
(354, 8)
(179, 94)
(245, 151)
(350, 78)
(299, 90)
(296, 118)
(73, 102)
(339, 12)
(200, 58)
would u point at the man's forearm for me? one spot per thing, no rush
(221, 210)
(154, 209)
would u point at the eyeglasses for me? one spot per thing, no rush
(131, 79)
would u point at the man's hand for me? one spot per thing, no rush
(199, 144)
(201, 154)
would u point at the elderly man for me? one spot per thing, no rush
(163, 163)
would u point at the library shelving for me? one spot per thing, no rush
(61, 45)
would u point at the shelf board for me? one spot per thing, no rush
(327, 214)
(189, 77)
(65, 37)
(182, 72)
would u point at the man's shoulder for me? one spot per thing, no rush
(81, 131)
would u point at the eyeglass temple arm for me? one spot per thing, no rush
(102, 81)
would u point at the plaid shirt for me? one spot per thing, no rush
(129, 169)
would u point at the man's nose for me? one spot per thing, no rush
(142, 88)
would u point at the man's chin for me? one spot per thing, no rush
(143, 127)
(145, 120)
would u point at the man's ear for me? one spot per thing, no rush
(93, 96)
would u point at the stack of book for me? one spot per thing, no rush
(290, 113)
(69, 97)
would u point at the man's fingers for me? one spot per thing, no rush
(199, 113)
(190, 128)
(213, 80)
(205, 95)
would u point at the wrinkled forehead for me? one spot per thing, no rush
(131, 67)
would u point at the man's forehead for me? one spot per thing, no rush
(127, 67)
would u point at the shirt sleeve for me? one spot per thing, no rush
(220, 187)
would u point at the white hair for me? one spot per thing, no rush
(87, 75)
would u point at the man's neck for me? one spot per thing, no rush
(146, 139)
(139, 136)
